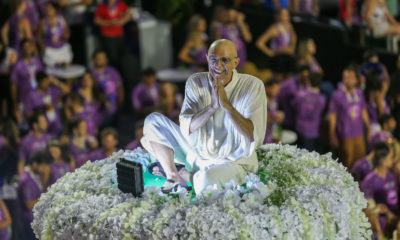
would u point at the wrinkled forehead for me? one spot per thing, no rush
(224, 49)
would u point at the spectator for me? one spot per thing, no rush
(170, 101)
(364, 166)
(306, 55)
(109, 80)
(236, 30)
(288, 91)
(309, 105)
(111, 16)
(379, 20)
(381, 186)
(23, 75)
(388, 125)
(52, 37)
(306, 7)
(35, 141)
(283, 43)
(8, 57)
(5, 221)
(348, 12)
(76, 109)
(194, 52)
(94, 100)
(46, 98)
(109, 142)
(219, 17)
(9, 142)
(138, 135)
(275, 117)
(17, 26)
(348, 116)
(59, 166)
(145, 96)
(373, 65)
(30, 187)
(81, 142)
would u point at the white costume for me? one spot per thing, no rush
(217, 152)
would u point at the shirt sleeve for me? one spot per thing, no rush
(367, 188)
(333, 105)
(23, 152)
(30, 192)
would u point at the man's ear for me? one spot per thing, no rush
(237, 61)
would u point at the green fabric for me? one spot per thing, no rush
(153, 181)
(393, 7)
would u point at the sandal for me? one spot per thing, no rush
(171, 186)
(161, 170)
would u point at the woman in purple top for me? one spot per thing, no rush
(283, 40)
(94, 99)
(5, 221)
(381, 186)
(376, 105)
(52, 37)
(17, 26)
(145, 96)
(309, 105)
(59, 166)
(81, 143)
(306, 55)
(32, 14)
(275, 117)
(194, 52)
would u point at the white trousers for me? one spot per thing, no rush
(53, 56)
(158, 128)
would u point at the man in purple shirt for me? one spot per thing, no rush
(109, 142)
(35, 141)
(288, 91)
(138, 135)
(109, 81)
(23, 75)
(236, 30)
(29, 190)
(348, 116)
(309, 105)
(381, 186)
(145, 96)
(388, 125)
(364, 166)
(46, 98)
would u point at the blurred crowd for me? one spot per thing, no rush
(52, 125)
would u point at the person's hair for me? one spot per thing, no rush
(97, 94)
(372, 82)
(315, 79)
(72, 124)
(384, 118)
(174, 89)
(53, 143)
(194, 23)
(351, 68)
(55, 5)
(76, 98)
(139, 124)
(381, 151)
(40, 157)
(40, 76)
(149, 72)
(109, 131)
(369, 54)
(98, 51)
(303, 67)
(271, 82)
(35, 118)
(303, 48)
(14, 5)
(23, 41)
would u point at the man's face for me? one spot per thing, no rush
(44, 84)
(222, 60)
(232, 15)
(304, 76)
(284, 16)
(27, 49)
(82, 128)
(273, 90)
(392, 124)
(349, 79)
(42, 124)
(100, 60)
(149, 80)
(109, 142)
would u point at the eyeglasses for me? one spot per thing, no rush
(214, 60)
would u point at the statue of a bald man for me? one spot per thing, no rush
(222, 121)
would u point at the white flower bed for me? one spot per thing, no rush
(300, 195)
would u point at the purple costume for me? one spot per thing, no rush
(348, 108)
(235, 36)
(30, 144)
(143, 96)
(108, 80)
(283, 39)
(53, 35)
(362, 168)
(272, 108)
(4, 231)
(57, 170)
(32, 14)
(98, 154)
(379, 137)
(309, 107)
(47, 101)
(287, 93)
(29, 189)
(373, 111)
(80, 154)
(90, 120)
(24, 76)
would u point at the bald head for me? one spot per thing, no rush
(223, 44)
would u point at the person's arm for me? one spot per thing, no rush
(126, 18)
(370, 5)
(26, 26)
(184, 53)
(294, 6)
(65, 3)
(30, 204)
(39, 36)
(332, 130)
(99, 21)
(365, 118)
(349, 13)
(243, 125)
(4, 33)
(65, 89)
(316, 7)
(120, 92)
(292, 46)
(67, 33)
(244, 28)
(7, 218)
(263, 40)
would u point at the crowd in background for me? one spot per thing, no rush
(50, 126)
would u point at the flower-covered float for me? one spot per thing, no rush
(296, 195)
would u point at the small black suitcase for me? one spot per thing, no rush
(130, 177)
